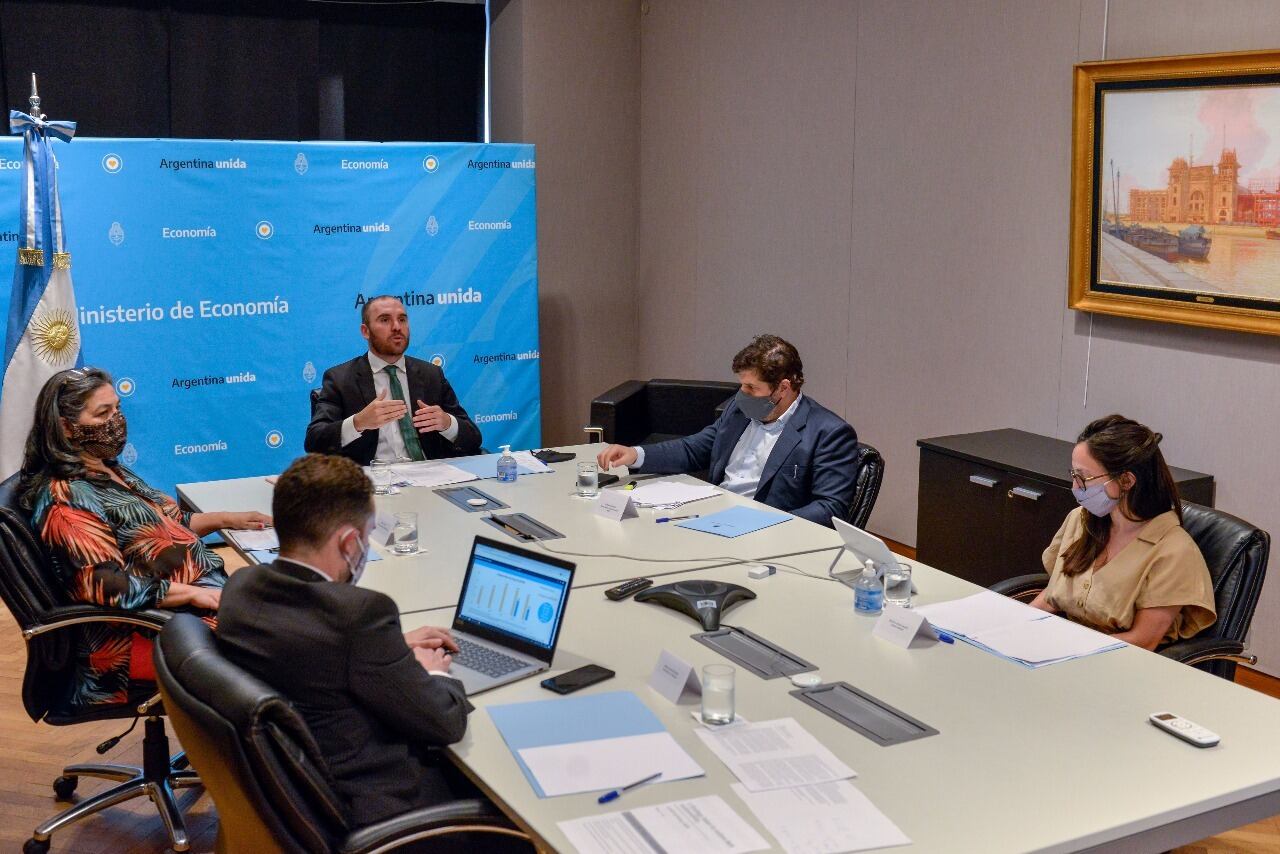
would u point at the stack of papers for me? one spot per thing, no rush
(697, 826)
(1018, 632)
(252, 541)
(670, 493)
(486, 465)
(429, 473)
(592, 743)
(774, 755)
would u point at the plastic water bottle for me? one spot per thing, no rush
(506, 466)
(868, 591)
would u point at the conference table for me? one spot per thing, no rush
(1059, 758)
(615, 551)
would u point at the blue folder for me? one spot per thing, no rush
(485, 465)
(735, 521)
(543, 723)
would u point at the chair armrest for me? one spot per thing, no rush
(75, 615)
(624, 404)
(471, 815)
(1024, 588)
(1198, 650)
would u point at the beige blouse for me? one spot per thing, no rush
(1162, 567)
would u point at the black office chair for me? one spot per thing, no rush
(315, 398)
(1236, 553)
(642, 413)
(50, 626)
(264, 770)
(867, 479)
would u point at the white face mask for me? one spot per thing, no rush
(357, 567)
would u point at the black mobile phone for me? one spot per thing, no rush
(567, 683)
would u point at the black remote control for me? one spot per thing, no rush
(628, 588)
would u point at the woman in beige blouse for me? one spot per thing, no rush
(1122, 563)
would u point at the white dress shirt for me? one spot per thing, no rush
(296, 562)
(747, 462)
(390, 442)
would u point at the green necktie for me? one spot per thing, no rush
(407, 432)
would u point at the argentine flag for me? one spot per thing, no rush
(43, 336)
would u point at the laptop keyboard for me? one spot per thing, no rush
(484, 660)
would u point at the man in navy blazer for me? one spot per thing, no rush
(772, 443)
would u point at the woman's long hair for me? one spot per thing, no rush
(1122, 445)
(50, 453)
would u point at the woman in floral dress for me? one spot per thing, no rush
(113, 540)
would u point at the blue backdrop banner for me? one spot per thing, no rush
(217, 280)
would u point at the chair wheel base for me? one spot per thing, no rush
(64, 787)
(35, 846)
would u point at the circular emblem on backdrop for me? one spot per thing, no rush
(125, 386)
(433, 227)
(112, 163)
(300, 164)
(438, 360)
(54, 336)
(275, 439)
(264, 230)
(309, 372)
(116, 233)
(431, 163)
(129, 455)
(544, 612)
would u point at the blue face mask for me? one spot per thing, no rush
(1095, 499)
(755, 408)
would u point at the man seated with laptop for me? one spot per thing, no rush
(377, 700)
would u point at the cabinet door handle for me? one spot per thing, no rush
(1023, 492)
(988, 482)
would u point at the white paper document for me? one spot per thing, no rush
(532, 463)
(698, 826)
(978, 613)
(1045, 641)
(608, 763)
(774, 755)
(253, 541)
(669, 493)
(826, 818)
(430, 473)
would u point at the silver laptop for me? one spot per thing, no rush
(509, 614)
(863, 547)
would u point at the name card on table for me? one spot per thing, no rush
(900, 626)
(383, 525)
(673, 677)
(615, 504)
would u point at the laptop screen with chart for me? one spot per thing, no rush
(514, 596)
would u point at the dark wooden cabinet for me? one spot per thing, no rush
(990, 502)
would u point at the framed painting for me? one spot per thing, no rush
(1175, 190)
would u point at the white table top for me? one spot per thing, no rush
(1056, 759)
(432, 578)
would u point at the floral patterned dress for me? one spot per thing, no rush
(121, 548)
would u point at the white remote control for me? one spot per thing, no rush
(1184, 729)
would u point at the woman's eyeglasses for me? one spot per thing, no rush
(1079, 481)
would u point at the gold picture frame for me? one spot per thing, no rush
(1185, 228)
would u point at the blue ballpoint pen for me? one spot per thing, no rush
(617, 793)
(944, 637)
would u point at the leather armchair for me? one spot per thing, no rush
(642, 413)
(1236, 553)
(868, 477)
(265, 772)
(50, 624)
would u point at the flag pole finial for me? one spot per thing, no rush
(35, 98)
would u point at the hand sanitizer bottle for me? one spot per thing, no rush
(868, 591)
(506, 466)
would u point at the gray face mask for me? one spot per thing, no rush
(755, 408)
(357, 568)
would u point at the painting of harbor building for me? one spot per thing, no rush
(1189, 196)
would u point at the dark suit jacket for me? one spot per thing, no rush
(338, 654)
(348, 388)
(811, 471)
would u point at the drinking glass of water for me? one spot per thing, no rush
(404, 535)
(588, 480)
(897, 585)
(717, 694)
(380, 474)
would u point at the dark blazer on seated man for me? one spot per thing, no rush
(811, 471)
(772, 443)
(337, 652)
(348, 388)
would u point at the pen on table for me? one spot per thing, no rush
(943, 636)
(617, 793)
(675, 518)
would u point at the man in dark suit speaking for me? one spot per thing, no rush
(772, 443)
(376, 700)
(363, 411)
